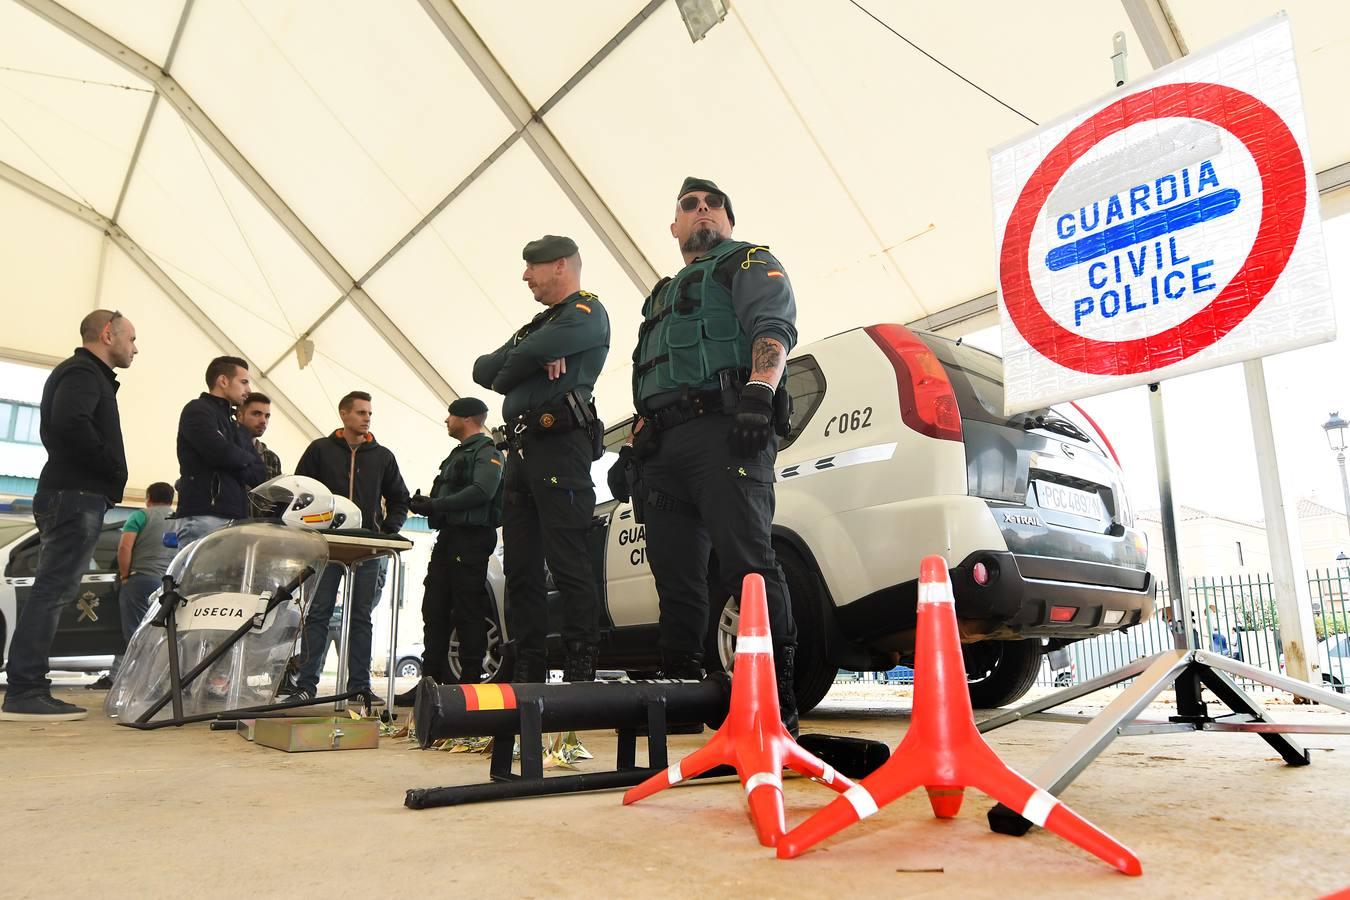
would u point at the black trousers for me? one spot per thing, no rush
(723, 503)
(549, 501)
(456, 597)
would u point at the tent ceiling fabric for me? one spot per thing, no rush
(363, 175)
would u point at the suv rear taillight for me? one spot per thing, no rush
(927, 401)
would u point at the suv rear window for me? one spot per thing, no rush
(977, 377)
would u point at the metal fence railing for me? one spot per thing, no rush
(1234, 615)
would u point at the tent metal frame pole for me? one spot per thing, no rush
(161, 279)
(174, 94)
(528, 121)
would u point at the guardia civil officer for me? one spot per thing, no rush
(709, 359)
(547, 371)
(465, 507)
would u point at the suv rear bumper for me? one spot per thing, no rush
(1021, 592)
(1013, 598)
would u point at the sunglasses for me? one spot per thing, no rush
(689, 202)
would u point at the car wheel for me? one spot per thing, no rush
(408, 667)
(1063, 679)
(1334, 683)
(813, 675)
(493, 670)
(999, 672)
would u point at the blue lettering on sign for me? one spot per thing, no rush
(1144, 228)
(1129, 243)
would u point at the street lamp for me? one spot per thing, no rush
(1335, 428)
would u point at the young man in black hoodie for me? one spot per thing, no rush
(216, 460)
(85, 472)
(350, 462)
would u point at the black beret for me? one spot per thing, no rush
(708, 187)
(465, 407)
(548, 248)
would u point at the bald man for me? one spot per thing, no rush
(86, 471)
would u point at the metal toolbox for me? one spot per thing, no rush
(299, 735)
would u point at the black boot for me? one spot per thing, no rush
(682, 665)
(471, 672)
(579, 665)
(531, 667)
(783, 668)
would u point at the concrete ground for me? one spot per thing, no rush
(92, 808)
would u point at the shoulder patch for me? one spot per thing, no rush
(495, 461)
(583, 307)
(774, 273)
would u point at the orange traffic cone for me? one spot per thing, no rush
(945, 753)
(752, 739)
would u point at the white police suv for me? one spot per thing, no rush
(898, 449)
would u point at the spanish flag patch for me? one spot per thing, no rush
(495, 461)
(774, 273)
(583, 307)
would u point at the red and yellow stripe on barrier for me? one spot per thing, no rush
(488, 696)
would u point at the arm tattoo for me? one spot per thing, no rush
(766, 355)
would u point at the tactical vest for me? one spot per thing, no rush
(690, 330)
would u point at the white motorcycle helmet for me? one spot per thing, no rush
(307, 501)
(346, 514)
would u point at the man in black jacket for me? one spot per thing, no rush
(216, 460)
(350, 462)
(86, 471)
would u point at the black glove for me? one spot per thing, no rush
(419, 504)
(752, 426)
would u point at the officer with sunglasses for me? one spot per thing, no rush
(547, 371)
(707, 373)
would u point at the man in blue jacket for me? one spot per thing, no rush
(216, 460)
(352, 463)
(85, 472)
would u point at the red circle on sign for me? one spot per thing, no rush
(1283, 203)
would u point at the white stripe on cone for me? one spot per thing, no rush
(674, 774)
(772, 779)
(828, 774)
(753, 643)
(861, 801)
(937, 592)
(1038, 807)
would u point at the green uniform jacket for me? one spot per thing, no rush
(577, 328)
(469, 489)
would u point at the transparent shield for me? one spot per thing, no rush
(225, 579)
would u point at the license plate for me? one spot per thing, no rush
(1067, 500)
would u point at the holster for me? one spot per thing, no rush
(646, 441)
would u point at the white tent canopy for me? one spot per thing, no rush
(242, 175)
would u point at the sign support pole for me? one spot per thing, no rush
(1293, 602)
(1183, 638)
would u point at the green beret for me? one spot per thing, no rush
(466, 407)
(548, 248)
(708, 187)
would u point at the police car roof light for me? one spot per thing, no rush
(927, 399)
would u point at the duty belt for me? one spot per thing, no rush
(564, 414)
(686, 409)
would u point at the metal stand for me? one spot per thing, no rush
(1189, 670)
(348, 551)
(166, 618)
(1185, 668)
